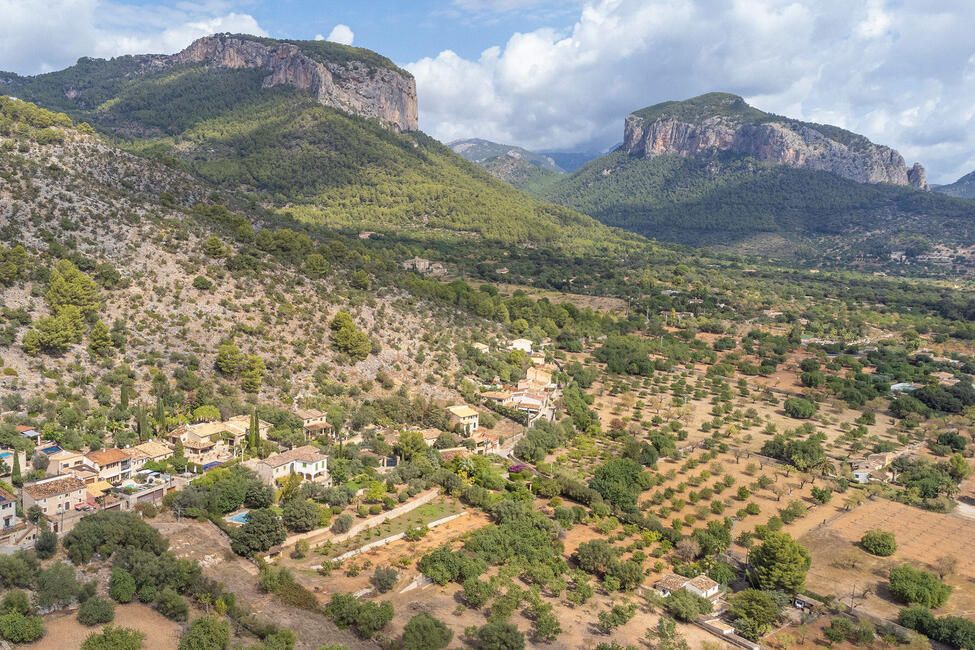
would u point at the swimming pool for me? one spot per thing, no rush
(239, 518)
(51, 450)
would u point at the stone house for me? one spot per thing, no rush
(466, 416)
(54, 495)
(307, 462)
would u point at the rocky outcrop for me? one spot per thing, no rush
(780, 141)
(380, 93)
(917, 177)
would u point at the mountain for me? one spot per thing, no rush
(478, 151)
(721, 122)
(321, 132)
(714, 171)
(519, 172)
(571, 161)
(352, 79)
(964, 187)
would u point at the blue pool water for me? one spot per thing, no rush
(51, 450)
(239, 518)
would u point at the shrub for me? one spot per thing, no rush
(910, 585)
(477, 592)
(342, 523)
(114, 638)
(206, 633)
(172, 605)
(799, 408)
(96, 610)
(384, 578)
(18, 628)
(500, 636)
(685, 606)
(424, 632)
(121, 586)
(879, 542)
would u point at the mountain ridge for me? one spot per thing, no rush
(722, 122)
(355, 80)
(964, 187)
(479, 150)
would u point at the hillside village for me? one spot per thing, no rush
(260, 387)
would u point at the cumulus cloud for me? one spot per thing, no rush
(901, 72)
(341, 34)
(34, 40)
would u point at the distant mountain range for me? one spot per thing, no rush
(714, 171)
(964, 187)
(479, 151)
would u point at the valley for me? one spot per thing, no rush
(280, 371)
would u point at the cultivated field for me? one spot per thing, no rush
(839, 566)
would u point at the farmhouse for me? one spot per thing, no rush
(307, 462)
(62, 462)
(8, 510)
(54, 495)
(313, 423)
(702, 585)
(151, 450)
(521, 344)
(111, 464)
(466, 416)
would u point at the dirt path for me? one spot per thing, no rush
(205, 543)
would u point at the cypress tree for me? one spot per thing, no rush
(15, 476)
(142, 423)
(255, 435)
(124, 398)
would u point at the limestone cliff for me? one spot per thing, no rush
(369, 87)
(718, 122)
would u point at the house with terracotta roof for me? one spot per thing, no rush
(64, 461)
(465, 415)
(202, 443)
(307, 462)
(539, 377)
(701, 585)
(314, 423)
(151, 450)
(430, 436)
(8, 511)
(54, 495)
(497, 396)
(112, 464)
(28, 431)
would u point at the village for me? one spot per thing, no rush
(67, 485)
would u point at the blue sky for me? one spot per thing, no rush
(407, 31)
(552, 75)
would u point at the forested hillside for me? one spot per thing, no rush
(729, 199)
(319, 164)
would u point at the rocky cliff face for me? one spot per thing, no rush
(376, 93)
(784, 142)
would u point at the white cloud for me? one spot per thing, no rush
(36, 40)
(341, 34)
(900, 71)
